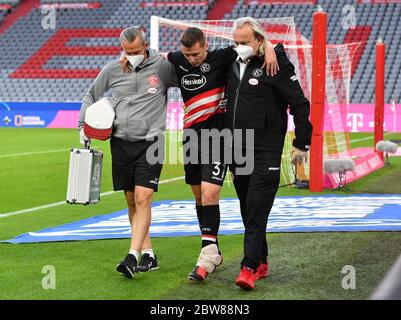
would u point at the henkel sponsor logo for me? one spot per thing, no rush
(193, 82)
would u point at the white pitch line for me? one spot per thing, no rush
(34, 152)
(63, 150)
(368, 138)
(31, 153)
(50, 205)
(3, 215)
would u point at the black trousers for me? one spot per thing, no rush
(256, 193)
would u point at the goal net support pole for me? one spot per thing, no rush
(154, 32)
(318, 100)
(379, 107)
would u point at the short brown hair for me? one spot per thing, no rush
(191, 36)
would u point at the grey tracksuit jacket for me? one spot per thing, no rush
(139, 97)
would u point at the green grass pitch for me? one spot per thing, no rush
(34, 165)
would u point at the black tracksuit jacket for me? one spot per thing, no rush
(260, 102)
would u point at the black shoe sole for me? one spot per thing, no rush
(124, 271)
(195, 279)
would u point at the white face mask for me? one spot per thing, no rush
(245, 52)
(135, 60)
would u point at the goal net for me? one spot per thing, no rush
(165, 37)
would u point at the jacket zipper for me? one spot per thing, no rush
(126, 121)
(236, 98)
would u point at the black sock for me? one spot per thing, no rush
(210, 224)
(199, 213)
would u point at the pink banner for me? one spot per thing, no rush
(363, 166)
(273, 2)
(379, 1)
(173, 4)
(65, 119)
(175, 116)
(359, 118)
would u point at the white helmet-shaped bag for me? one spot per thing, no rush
(99, 119)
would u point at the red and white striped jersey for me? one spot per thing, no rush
(203, 87)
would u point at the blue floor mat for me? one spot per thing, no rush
(289, 214)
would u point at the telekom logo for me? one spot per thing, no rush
(355, 121)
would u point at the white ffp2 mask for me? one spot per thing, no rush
(244, 52)
(135, 60)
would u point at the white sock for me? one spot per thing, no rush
(134, 253)
(149, 252)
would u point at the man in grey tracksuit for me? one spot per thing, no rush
(140, 102)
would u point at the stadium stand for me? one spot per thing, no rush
(31, 69)
(6, 7)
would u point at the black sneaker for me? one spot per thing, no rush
(128, 266)
(198, 274)
(147, 263)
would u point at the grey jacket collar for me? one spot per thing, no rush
(153, 57)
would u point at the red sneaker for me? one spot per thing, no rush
(246, 279)
(262, 271)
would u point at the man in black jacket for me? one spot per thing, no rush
(259, 102)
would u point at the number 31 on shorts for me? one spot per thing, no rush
(219, 170)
